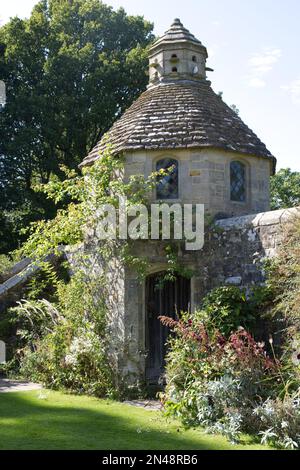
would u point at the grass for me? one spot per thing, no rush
(50, 420)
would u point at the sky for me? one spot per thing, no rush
(254, 49)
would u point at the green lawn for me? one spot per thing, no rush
(52, 420)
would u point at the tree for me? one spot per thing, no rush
(70, 70)
(285, 189)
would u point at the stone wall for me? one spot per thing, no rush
(236, 249)
(204, 178)
(234, 254)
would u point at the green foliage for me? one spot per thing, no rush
(224, 380)
(70, 70)
(101, 185)
(64, 345)
(59, 357)
(6, 263)
(228, 308)
(285, 189)
(43, 285)
(285, 283)
(279, 419)
(279, 422)
(81, 196)
(174, 266)
(214, 381)
(34, 319)
(80, 366)
(5, 327)
(285, 277)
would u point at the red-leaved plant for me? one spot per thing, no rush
(204, 344)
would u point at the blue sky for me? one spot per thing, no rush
(254, 48)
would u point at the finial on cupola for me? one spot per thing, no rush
(177, 22)
(177, 55)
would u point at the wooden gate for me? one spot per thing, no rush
(166, 299)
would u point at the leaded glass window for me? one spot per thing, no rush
(167, 185)
(237, 182)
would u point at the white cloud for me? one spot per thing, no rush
(260, 64)
(264, 62)
(256, 82)
(294, 89)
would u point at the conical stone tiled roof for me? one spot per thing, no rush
(180, 115)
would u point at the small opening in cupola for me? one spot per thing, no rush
(194, 58)
(174, 69)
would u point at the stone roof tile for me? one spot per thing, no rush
(180, 115)
(177, 33)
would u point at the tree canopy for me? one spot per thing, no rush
(70, 70)
(285, 189)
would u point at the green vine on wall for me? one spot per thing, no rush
(80, 197)
(66, 353)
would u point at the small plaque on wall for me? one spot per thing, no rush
(195, 173)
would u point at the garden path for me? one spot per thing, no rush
(7, 385)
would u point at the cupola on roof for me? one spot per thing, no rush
(179, 109)
(177, 55)
(176, 33)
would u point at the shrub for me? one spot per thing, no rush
(64, 345)
(284, 281)
(213, 380)
(72, 360)
(219, 377)
(34, 320)
(209, 403)
(6, 264)
(228, 308)
(279, 422)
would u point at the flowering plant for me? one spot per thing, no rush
(213, 380)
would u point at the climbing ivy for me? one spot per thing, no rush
(57, 354)
(80, 197)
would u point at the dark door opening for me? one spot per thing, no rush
(162, 299)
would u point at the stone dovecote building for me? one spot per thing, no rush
(219, 162)
(181, 117)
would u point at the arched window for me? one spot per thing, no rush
(237, 182)
(167, 185)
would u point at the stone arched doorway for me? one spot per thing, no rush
(167, 298)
